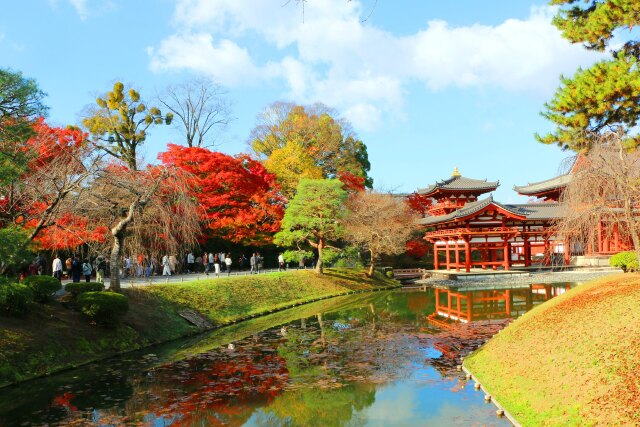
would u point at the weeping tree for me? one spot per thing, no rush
(119, 125)
(379, 223)
(313, 217)
(165, 219)
(604, 189)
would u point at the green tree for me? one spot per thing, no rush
(328, 142)
(14, 253)
(20, 105)
(313, 216)
(593, 22)
(605, 97)
(602, 98)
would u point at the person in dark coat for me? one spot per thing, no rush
(76, 269)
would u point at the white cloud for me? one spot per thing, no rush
(225, 61)
(335, 58)
(81, 8)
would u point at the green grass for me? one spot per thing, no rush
(570, 361)
(52, 337)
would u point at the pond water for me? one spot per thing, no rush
(379, 359)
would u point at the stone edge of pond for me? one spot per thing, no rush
(197, 332)
(506, 414)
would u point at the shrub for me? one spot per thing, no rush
(81, 287)
(43, 287)
(15, 298)
(627, 261)
(103, 307)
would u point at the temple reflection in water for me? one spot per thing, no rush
(486, 304)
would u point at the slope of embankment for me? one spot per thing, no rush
(53, 337)
(573, 360)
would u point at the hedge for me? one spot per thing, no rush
(43, 287)
(103, 307)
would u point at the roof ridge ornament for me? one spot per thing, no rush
(456, 173)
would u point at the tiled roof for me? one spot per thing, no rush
(532, 211)
(542, 186)
(539, 210)
(460, 183)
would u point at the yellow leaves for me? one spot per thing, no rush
(290, 164)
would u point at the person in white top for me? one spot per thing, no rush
(57, 268)
(191, 260)
(281, 262)
(228, 262)
(167, 266)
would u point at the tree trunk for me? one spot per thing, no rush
(118, 232)
(116, 256)
(372, 266)
(319, 263)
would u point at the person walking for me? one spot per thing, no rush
(87, 270)
(281, 262)
(126, 266)
(166, 271)
(228, 262)
(41, 264)
(253, 263)
(57, 268)
(216, 265)
(76, 269)
(258, 262)
(101, 268)
(211, 261)
(190, 263)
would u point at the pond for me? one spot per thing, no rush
(378, 359)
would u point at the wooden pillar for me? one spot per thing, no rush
(457, 256)
(436, 264)
(467, 255)
(437, 300)
(567, 252)
(600, 248)
(527, 252)
(506, 254)
(507, 301)
(449, 303)
(448, 256)
(616, 238)
(547, 257)
(470, 306)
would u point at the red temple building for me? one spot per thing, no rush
(468, 231)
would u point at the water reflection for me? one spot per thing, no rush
(360, 360)
(482, 304)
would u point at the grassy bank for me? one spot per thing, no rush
(571, 361)
(52, 337)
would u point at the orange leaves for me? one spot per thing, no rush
(240, 200)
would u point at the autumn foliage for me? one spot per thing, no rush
(239, 199)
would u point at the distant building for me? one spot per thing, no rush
(484, 233)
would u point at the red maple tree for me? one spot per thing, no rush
(240, 200)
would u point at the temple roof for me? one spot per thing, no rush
(530, 211)
(534, 188)
(459, 183)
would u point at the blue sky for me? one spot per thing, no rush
(428, 85)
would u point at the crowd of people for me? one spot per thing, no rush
(143, 266)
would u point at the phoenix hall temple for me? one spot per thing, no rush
(469, 231)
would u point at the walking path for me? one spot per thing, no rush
(128, 282)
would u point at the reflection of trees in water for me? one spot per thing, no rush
(323, 370)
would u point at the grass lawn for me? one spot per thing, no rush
(573, 360)
(52, 337)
